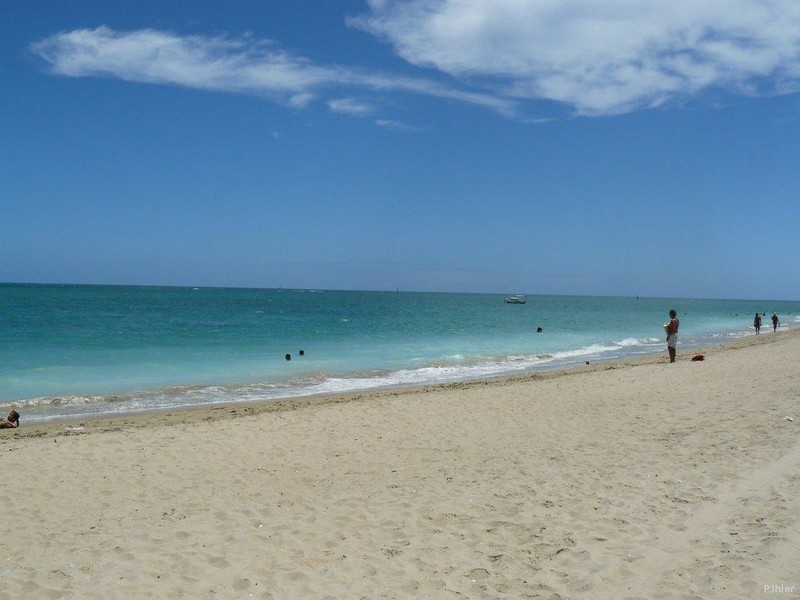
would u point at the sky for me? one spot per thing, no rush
(593, 147)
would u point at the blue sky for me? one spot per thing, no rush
(544, 146)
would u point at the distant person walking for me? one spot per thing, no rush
(671, 329)
(774, 322)
(757, 323)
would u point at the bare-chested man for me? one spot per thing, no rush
(671, 329)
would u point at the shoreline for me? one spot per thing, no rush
(632, 479)
(236, 362)
(101, 422)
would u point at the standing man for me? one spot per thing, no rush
(671, 329)
(774, 322)
(757, 323)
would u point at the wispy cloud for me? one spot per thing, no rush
(149, 56)
(242, 65)
(350, 106)
(392, 125)
(599, 57)
(594, 57)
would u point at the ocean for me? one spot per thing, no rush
(74, 351)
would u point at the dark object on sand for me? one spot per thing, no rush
(698, 357)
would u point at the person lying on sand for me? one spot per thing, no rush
(11, 422)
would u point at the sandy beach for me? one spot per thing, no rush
(635, 479)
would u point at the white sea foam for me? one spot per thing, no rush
(585, 351)
(40, 401)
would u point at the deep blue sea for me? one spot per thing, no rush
(75, 351)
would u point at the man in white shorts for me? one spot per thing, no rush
(671, 329)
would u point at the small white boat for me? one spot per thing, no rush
(516, 299)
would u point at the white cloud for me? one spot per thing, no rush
(599, 56)
(350, 106)
(392, 125)
(596, 57)
(243, 65)
(213, 63)
(301, 100)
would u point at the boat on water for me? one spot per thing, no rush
(516, 299)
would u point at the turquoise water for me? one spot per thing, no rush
(70, 351)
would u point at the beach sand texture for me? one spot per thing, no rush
(617, 480)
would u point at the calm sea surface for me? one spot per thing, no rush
(71, 351)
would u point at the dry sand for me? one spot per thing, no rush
(618, 480)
